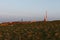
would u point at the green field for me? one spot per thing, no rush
(31, 31)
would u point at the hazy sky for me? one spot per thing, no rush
(30, 8)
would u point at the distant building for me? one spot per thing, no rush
(33, 21)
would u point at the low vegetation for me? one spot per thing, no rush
(30, 31)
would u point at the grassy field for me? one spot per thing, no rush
(31, 31)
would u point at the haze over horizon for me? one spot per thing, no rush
(11, 10)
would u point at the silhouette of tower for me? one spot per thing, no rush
(45, 17)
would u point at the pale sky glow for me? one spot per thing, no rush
(30, 8)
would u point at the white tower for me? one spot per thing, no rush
(45, 17)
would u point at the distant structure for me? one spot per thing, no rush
(45, 17)
(33, 21)
(22, 20)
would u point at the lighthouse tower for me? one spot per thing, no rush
(45, 17)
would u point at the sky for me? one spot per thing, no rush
(29, 9)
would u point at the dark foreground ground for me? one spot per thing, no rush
(31, 31)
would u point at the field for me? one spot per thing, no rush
(31, 31)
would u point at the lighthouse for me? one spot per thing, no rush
(45, 17)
